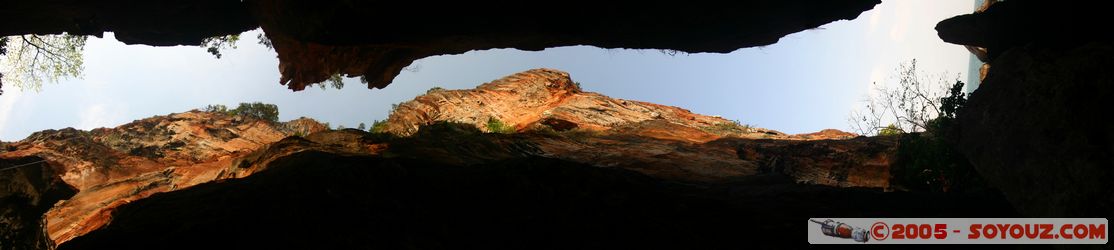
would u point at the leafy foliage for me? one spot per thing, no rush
(256, 110)
(890, 130)
(378, 132)
(362, 126)
(215, 108)
(336, 81)
(263, 111)
(29, 60)
(378, 126)
(214, 45)
(728, 128)
(956, 99)
(363, 80)
(922, 112)
(496, 126)
(263, 40)
(929, 161)
(909, 106)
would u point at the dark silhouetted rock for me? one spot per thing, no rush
(326, 199)
(1039, 130)
(1009, 24)
(150, 22)
(558, 124)
(377, 39)
(29, 186)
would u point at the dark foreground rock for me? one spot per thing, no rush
(377, 39)
(28, 188)
(1038, 126)
(327, 199)
(1039, 130)
(1009, 24)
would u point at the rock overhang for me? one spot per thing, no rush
(377, 39)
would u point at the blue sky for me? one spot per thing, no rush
(808, 81)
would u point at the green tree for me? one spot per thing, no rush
(921, 112)
(434, 89)
(361, 126)
(378, 126)
(956, 100)
(910, 105)
(336, 81)
(29, 60)
(215, 108)
(730, 128)
(496, 126)
(263, 40)
(215, 45)
(256, 110)
(890, 130)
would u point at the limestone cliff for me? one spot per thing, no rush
(552, 120)
(114, 166)
(562, 121)
(550, 99)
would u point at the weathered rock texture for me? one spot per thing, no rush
(858, 162)
(562, 121)
(114, 166)
(558, 124)
(547, 98)
(377, 39)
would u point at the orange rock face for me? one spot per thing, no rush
(114, 166)
(550, 98)
(550, 115)
(562, 121)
